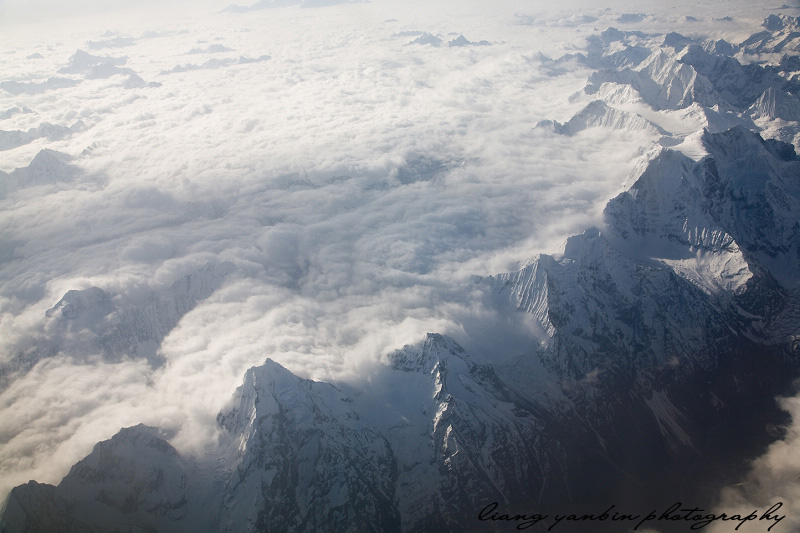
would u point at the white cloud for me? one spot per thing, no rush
(772, 480)
(288, 168)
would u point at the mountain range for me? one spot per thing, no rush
(664, 336)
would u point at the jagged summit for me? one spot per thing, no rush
(661, 80)
(719, 47)
(743, 194)
(75, 303)
(677, 41)
(427, 38)
(91, 321)
(435, 349)
(47, 167)
(780, 22)
(779, 36)
(598, 114)
(774, 103)
(52, 132)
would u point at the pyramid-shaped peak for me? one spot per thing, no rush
(76, 302)
(426, 355)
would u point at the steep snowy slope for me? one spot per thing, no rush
(433, 435)
(668, 311)
(677, 72)
(739, 85)
(662, 81)
(781, 35)
(685, 249)
(302, 461)
(777, 113)
(774, 104)
(599, 115)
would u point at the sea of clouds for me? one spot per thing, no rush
(355, 181)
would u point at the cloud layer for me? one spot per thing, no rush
(355, 181)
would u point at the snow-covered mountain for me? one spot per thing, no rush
(677, 71)
(667, 312)
(780, 36)
(661, 80)
(599, 114)
(690, 252)
(436, 434)
(664, 335)
(92, 321)
(777, 113)
(47, 167)
(134, 481)
(52, 132)
(659, 318)
(774, 104)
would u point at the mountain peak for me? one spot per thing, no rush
(425, 357)
(774, 103)
(778, 22)
(48, 166)
(745, 153)
(75, 303)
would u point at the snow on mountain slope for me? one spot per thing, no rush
(687, 282)
(52, 132)
(20, 88)
(598, 114)
(774, 103)
(485, 442)
(84, 63)
(679, 73)
(739, 85)
(661, 80)
(662, 217)
(301, 460)
(46, 168)
(752, 190)
(781, 34)
(91, 321)
(146, 323)
(777, 114)
(134, 481)
(657, 319)
(434, 435)
(666, 334)
(609, 313)
(670, 79)
(715, 224)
